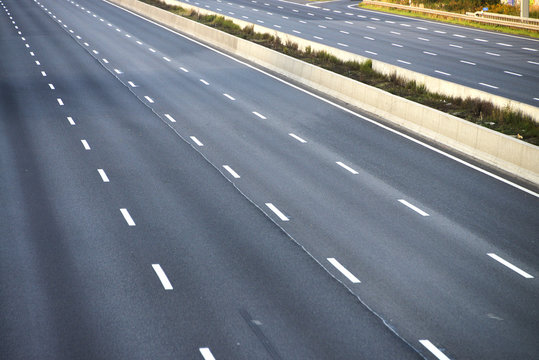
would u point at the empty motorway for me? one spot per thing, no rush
(161, 199)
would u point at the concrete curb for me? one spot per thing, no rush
(511, 155)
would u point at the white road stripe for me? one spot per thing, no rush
(371, 52)
(170, 118)
(105, 61)
(397, 45)
(85, 144)
(277, 212)
(371, 27)
(95, 52)
(139, 42)
(232, 172)
(127, 217)
(259, 115)
(296, 31)
(70, 119)
(38, 63)
(166, 58)
(60, 102)
(349, 22)
(132, 84)
(196, 141)
(206, 354)
(404, 62)
(422, 39)
(162, 276)
(467, 62)
(318, 37)
(440, 32)
(459, 36)
(104, 176)
(43, 73)
(344, 271)
(504, 44)
(51, 86)
(529, 49)
(117, 71)
(344, 166)
(344, 32)
(510, 266)
(441, 72)
(421, 28)
(434, 350)
(127, 35)
(492, 54)
(86, 44)
(184, 69)
(481, 40)
(395, 32)
(229, 97)
(455, 46)
(343, 45)
(152, 50)
(415, 208)
(204, 82)
(487, 85)
(512, 73)
(533, 62)
(149, 99)
(297, 138)
(430, 53)
(368, 38)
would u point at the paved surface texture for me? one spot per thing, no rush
(163, 200)
(500, 64)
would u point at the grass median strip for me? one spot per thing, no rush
(478, 111)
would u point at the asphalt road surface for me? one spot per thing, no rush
(161, 199)
(500, 64)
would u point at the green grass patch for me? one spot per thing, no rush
(490, 27)
(480, 112)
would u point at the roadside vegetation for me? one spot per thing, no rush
(490, 27)
(480, 112)
(464, 6)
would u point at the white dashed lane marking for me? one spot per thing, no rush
(170, 118)
(434, 350)
(85, 144)
(206, 354)
(162, 276)
(344, 271)
(149, 99)
(510, 266)
(414, 208)
(196, 141)
(259, 115)
(103, 175)
(298, 138)
(231, 171)
(229, 97)
(127, 217)
(277, 212)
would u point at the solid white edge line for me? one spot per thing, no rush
(277, 212)
(374, 122)
(127, 217)
(103, 175)
(347, 167)
(344, 271)
(85, 144)
(206, 354)
(433, 349)
(231, 171)
(415, 208)
(510, 266)
(196, 141)
(298, 138)
(170, 118)
(162, 276)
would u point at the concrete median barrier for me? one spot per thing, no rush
(502, 151)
